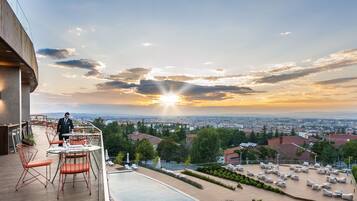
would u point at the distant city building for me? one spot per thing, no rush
(136, 136)
(248, 145)
(290, 147)
(340, 139)
(231, 157)
(287, 140)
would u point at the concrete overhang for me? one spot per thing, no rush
(16, 48)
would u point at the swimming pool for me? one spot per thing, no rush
(132, 186)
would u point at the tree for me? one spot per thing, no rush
(169, 150)
(276, 134)
(349, 150)
(252, 137)
(205, 147)
(326, 153)
(145, 149)
(99, 123)
(293, 132)
(115, 140)
(188, 161)
(119, 158)
(137, 158)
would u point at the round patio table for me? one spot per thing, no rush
(70, 150)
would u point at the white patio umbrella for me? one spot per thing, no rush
(127, 158)
(106, 155)
(158, 165)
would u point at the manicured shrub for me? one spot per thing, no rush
(184, 179)
(206, 178)
(239, 178)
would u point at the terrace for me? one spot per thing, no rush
(11, 169)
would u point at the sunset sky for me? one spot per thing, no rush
(194, 57)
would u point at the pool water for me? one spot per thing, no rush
(131, 186)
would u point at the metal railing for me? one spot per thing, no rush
(98, 156)
(21, 16)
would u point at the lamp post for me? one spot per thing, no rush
(277, 159)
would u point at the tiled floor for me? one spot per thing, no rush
(10, 170)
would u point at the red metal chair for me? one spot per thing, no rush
(73, 166)
(51, 137)
(27, 155)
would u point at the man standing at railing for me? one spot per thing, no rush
(65, 125)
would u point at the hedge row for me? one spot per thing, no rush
(209, 179)
(184, 179)
(240, 178)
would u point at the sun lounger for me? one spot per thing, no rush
(321, 171)
(337, 194)
(347, 196)
(250, 174)
(327, 193)
(127, 167)
(281, 184)
(295, 177)
(317, 165)
(134, 166)
(341, 180)
(316, 187)
(309, 183)
(269, 180)
(326, 186)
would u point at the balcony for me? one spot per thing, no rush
(11, 168)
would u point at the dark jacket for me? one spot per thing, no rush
(64, 127)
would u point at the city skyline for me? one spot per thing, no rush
(194, 58)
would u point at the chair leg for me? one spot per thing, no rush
(90, 185)
(46, 177)
(20, 179)
(59, 185)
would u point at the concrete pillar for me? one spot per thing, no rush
(10, 102)
(25, 93)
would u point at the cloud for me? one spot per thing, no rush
(334, 61)
(115, 85)
(77, 31)
(92, 66)
(146, 44)
(175, 78)
(191, 91)
(336, 81)
(189, 78)
(287, 33)
(130, 75)
(56, 53)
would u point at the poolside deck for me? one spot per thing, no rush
(212, 192)
(299, 188)
(10, 170)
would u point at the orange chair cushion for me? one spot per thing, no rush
(38, 163)
(69, 168)
(78, 155)
(57, 142)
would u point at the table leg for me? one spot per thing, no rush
(91, 165)
(58, 167)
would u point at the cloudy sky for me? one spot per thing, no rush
(218, 57)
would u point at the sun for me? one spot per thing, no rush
(169, 99)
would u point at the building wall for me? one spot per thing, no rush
(25, 92)
(10, 80)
